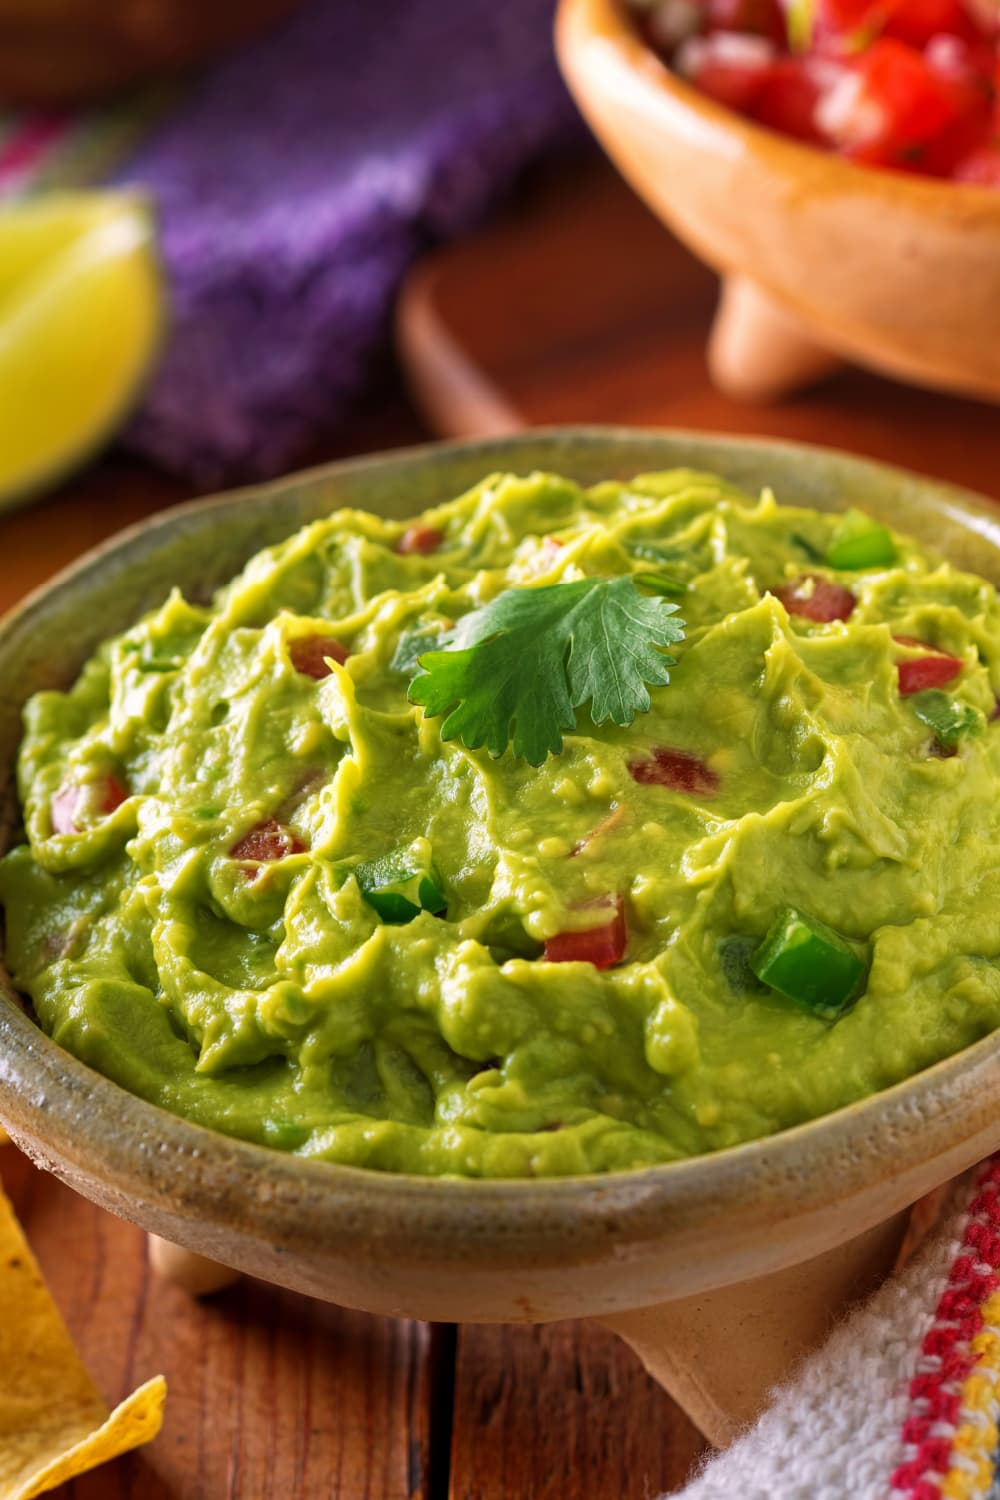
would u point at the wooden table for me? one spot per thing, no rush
(575, 307)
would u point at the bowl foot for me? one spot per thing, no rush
(759, 352)
(194, 1274)
(720, 1355)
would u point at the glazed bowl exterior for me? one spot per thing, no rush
(894, 271)
(448, 1248)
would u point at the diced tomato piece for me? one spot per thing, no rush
(927, 672)
(113, 794)
(420, 540)
(601, 946)
(816, 598)
(63, 809)
(308, 654)
(267, 842)
(677, 769)
(916, 111)
(102, 797)
(922, 117)
(967, 70)
(911, 85)
(748, 17)
(917, 21)
(981, 166)
(729, 68)
(788, 97)
(735, 87)
(920, 672)
(848, 17)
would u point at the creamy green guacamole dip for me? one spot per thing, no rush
(259, 888)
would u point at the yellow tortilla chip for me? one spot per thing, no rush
(53, 1422)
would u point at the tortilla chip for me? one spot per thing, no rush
(53, 1422)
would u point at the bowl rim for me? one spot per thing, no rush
(67, 1115)
(609, 20)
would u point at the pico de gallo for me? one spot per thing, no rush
(555, 830)
(911, 85)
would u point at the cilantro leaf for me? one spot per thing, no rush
(519, 668)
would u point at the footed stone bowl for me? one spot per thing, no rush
(720, 1270)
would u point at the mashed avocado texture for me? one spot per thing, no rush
(262, 887)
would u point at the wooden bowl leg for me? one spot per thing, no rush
(194, 1274)
(721, 1354)
(759, 352)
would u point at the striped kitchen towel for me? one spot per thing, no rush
(902, 1402)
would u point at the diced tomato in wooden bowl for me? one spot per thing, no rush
(905, 84)
(832, 160)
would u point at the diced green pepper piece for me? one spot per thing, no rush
(808, 962)
(949, 720)
(860, 542)
(400, 885)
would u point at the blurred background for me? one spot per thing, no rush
(336, 228)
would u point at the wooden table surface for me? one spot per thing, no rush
(575, 307)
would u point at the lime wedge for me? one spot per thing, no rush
(82, 310)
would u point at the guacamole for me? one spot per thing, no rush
(286, 872)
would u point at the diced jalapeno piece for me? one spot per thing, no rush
(860, 542)
(808, 962)
(949, 720)
(400, 885)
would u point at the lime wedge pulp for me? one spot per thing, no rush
(82, 310)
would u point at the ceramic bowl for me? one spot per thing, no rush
(820, 259)
(662, 1254)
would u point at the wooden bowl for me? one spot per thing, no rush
(64, 52)
(761, 1242)
(821, 259)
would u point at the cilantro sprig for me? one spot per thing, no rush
(516, 671)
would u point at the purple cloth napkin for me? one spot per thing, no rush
(298, 181)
